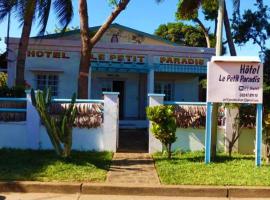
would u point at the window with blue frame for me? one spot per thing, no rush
(51, 81)
(165, 88)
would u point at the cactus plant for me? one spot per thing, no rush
(59, 129)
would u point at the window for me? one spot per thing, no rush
(48, 81)
(106, 86)
(165, 88)
(114, 38)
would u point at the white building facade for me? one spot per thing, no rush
(125, 60)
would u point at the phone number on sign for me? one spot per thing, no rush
(248, 95)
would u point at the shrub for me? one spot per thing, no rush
(163, 125)
(3, 80)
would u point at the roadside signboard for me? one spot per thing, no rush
(235, 80)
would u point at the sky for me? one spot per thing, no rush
(143, 15)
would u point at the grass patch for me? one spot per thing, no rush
(189, 169)
(30, 165)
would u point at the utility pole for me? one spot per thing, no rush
(8, 30)
(214, 117)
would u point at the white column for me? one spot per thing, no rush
(32, 123)
(111, 121)
(151, 81)
(89, 83)
(154, 144)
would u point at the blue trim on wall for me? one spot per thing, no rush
(144, 68)
(196, 69)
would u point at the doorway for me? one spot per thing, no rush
(119, 86)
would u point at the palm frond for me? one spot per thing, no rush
(43, 9)
(187, 9)
(6, 7)
(236, 7)
(64, 12)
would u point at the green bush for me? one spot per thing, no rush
(163, 125)
(5, 91)
(3, 79)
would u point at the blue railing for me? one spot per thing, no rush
(184, 103)
(10, 99)
(78, 101)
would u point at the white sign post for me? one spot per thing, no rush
(235, 80)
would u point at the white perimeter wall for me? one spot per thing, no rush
(191, 139)
(14, 135)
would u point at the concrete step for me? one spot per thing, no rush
(133, 140)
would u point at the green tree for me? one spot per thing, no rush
(183, 34)
(89, 42)
(253, 26)
(163, 125)
(27, 11)
(189, 10)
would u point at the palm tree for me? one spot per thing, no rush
(188, 10)
(27, 11)
(88, 42)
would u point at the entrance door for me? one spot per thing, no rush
(119, 86)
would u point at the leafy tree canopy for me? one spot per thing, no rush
(252, 26)
(183, 34)
(209, 9)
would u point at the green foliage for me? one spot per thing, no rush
(163, 125)
(60, 30)
(3, 80)
(266, 79)
(252, 25)
(188, 10)
(42, 8)
(267, 133)
(184, 34)
(5, 91)
(59, 129)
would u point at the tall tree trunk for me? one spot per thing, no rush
(85, 51)
(205, 32)
(24, 40)
(88, 44)
(228, 32)
(215, 30)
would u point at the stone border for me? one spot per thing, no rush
(139, 190)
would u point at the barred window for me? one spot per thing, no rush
(48, 81)
(165, 88)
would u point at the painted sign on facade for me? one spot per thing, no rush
(235, 82)
(126, 58)
(47, 54)
(171, 60)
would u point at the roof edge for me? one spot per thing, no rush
(114, 25)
